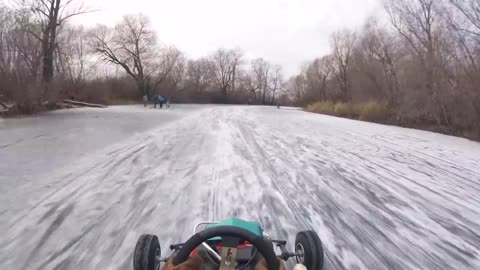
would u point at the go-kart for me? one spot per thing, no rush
(232, 244)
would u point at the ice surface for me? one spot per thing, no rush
(380, 197)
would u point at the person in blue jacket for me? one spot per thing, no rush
(158, 100)
(145, 100)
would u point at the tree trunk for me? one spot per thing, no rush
(323, 93)
(141, 87)
(224, 93)
(48, 42)
(274, 91)
(47, 57)
(264, 96)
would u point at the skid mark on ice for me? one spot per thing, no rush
(421, 200)
(422, 158)
(51, 229)
(62, 250)
(299, 214)
(67, 184)
(110, 179)
(213, 205)
(295, 155)
(457, 166)
(375, 199)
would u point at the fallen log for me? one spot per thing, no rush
(6, 112)
(6, 109)
(79, 103)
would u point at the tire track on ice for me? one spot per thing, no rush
(250, 139)
(126, 180)
(330, 150)
(61, 217)
(419, 156)
(213, 204)
(73, 180)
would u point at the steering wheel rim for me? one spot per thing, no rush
(228, 231)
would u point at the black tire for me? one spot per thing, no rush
(146, 252)
(308, 243)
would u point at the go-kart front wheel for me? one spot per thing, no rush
(309, 250)
(147, 253)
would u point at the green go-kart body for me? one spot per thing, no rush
(252, 226)
(308, 247)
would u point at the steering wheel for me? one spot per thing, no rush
(231, 238)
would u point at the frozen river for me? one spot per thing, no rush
(77, 187)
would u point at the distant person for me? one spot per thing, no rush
(167, 102)
(158, 100)
(145, 100)
(162, 100)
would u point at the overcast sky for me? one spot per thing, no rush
(285, 32)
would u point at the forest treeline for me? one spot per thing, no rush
(44, 59)
(418, 68)
(421, 69)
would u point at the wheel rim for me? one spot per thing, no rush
(157, 259)
(300, 253)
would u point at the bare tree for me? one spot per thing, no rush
(6, 55)
(276, 82)
(471, 11)
(25, 48)
(132, 45)
(263, 78)
(225, 64)
(464, 21)
(380, 47)
(73, 53)
(342, 43)
(20, 60)
(249, 81)
(296, 87)
(463, 67)
(317, 74)
(170, 66)
(49, 15)
(418, 22)
(199, 74)
(260, 76)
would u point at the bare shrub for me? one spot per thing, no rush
(348, 109)
(323, 107)
(421, 70)
(374, 111)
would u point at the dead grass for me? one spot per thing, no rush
(372, 111)
(349, 110)
(326, 107)
(123, 102)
